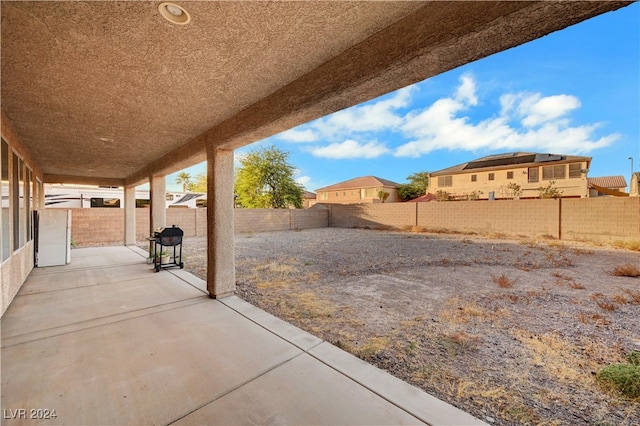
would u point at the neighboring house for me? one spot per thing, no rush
(488, 177)
(607, 186)
(359, 190)
(308, 199)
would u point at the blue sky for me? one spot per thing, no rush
(576, 91)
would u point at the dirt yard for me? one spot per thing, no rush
(510, 331)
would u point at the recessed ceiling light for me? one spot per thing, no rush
(174, 13)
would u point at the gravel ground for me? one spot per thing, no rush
(511, 331)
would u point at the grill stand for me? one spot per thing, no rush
(168, 237)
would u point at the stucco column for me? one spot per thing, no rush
(158, 201)
(129, 216)
(221, 268)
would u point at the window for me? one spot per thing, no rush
(40, 193)
(553, 172)
(169, 197)
(533, 174)
(105, 202)
(29, 201)
(509, 175)
(369, 192)
(324, 195)
(142, 203)
(337, 193)
(474, 178)
(344, 193)
(4, 213)
(492, 176)
(575, 170)
(445, 181)
(17, 201)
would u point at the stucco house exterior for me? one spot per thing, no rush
(308, 199)
(358, 190)
(488, 177)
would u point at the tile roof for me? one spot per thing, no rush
(508, 159)
(608, 181)
(309, 194)
(423, 198)
(360, 182)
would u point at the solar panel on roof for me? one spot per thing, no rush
(500, 162)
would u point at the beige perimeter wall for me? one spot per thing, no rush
(594, 219)
(106, 226)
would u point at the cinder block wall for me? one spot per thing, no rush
(601, 219)
(106, 226)
(307, 219)
(593, 219)
(143, 222)
(201, 222)
(257, 220)
(184, 218)
(512, 217)
(98, 226)
(375, 216)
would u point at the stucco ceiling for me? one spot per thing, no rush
(112, 90)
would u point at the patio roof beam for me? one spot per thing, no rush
(83, 180)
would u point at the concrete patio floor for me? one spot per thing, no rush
(106, 340)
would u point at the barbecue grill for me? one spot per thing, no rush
(168, 237)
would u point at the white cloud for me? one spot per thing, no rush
(303, 180)
(299, 135)
(546, 127)
(546, 109)
(466, 92)
(351, 149)
(374, 116)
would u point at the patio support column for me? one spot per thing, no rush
(221, 268)
(129, 216)
(158, 201)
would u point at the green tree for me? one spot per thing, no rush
(200, 184)
(265, 180)
(417, 186)
(550, 191)
(184, 178)
(382, 195)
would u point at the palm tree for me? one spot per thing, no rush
(184, 178)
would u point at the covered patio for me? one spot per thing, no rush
(120, 94)
(125, 345)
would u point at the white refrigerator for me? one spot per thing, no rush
(54, 237)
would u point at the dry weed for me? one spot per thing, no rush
(602, 301)
(596, 318)
(311, 306)
(417, 229)
(373, 347)
(461, 312)
(565, 360)
(503, 281)
(635, 296)
(629, 245)
(464, 339)
(626, 270)
(620, 299)
(579, 251)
